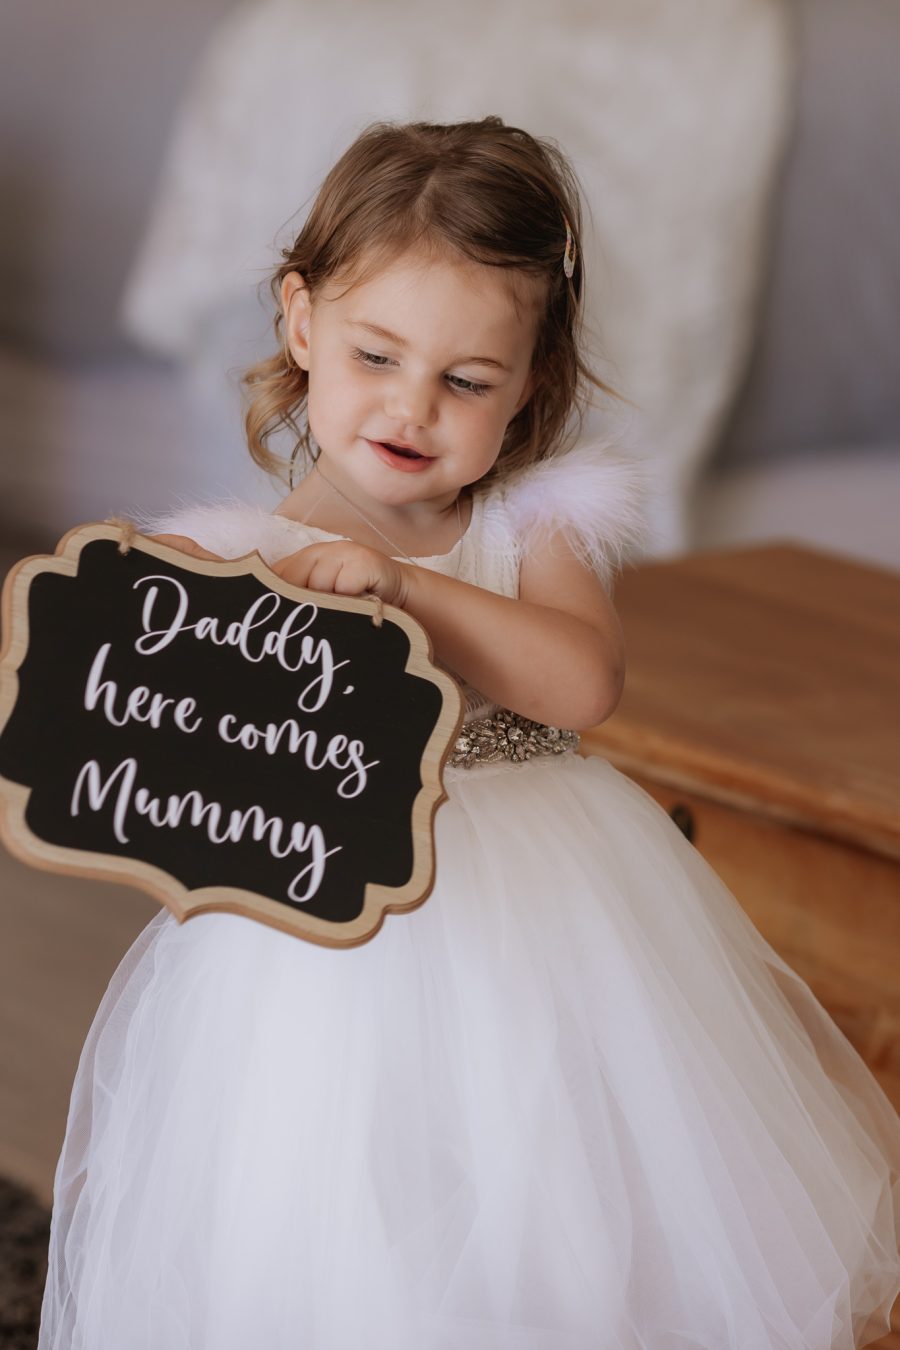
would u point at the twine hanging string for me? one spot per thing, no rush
(129, 531)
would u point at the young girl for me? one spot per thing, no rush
(572, 1102)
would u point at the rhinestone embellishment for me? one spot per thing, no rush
(508, 735)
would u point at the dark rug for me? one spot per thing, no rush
(24, 1237)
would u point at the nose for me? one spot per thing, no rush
(411, 400)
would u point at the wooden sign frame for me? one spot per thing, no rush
(184, 903)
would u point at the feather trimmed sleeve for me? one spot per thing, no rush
(228, 527)
(593, 495)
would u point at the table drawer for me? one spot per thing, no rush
(831, 910)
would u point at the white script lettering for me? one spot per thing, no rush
(278, 642)
(339, 752)
(222, 826)
(140, 705)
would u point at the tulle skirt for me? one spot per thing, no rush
(573, 1102)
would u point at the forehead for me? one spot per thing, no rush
(422, 284)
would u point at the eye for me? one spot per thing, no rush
(467, 386)
(370, 358)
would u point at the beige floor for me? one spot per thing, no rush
(60, 941)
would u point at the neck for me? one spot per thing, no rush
(430, 513)
(331, 501)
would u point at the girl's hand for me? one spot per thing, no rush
(345, 568)
(185, 545)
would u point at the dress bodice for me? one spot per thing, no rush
(469, 560)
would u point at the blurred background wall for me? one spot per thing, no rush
(87, 101)
(739, 157)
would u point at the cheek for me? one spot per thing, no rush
(499, 418)
(332, 392)
(321, 406)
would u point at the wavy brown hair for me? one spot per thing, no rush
(484, 191)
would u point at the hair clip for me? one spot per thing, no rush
(571, 251)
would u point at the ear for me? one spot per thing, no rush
(296, 307)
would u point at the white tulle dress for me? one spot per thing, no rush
(574, 1101)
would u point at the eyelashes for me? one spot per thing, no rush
(468, 386)
(369, 358)
(376, 362)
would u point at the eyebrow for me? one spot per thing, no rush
(398, 341)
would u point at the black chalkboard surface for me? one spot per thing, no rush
(219, 737)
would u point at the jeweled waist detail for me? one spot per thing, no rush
(508, 735)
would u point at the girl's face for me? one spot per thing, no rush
(414, 374)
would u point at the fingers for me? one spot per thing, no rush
(295, 567)
(185, 545)
(339, 568)
(316, 569)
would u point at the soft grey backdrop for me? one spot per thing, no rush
(89, 423)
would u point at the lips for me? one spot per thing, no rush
(399, 455)
(407, 451)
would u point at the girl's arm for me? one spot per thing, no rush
(555, 654)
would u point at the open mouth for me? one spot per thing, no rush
(405, 451)
(403, 457)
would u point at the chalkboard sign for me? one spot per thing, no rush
(220, 738)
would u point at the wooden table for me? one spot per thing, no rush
(762, 710)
